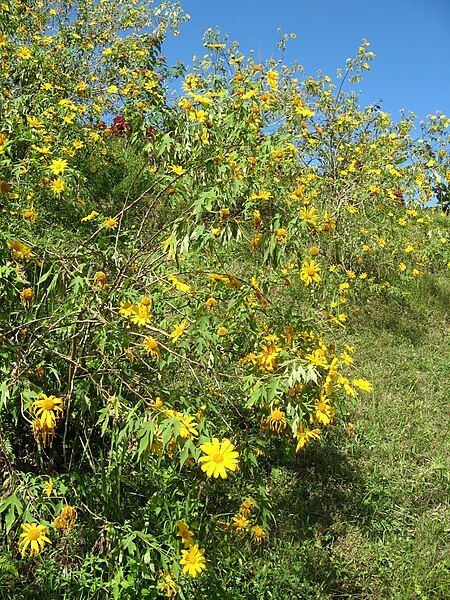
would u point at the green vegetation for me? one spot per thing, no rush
(224, 321)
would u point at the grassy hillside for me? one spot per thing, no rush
(367, 516)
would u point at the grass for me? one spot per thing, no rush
(367, 515)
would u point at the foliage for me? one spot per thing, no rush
(177, 275)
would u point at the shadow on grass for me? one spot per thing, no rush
(320, 497)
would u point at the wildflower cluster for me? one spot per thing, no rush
(181, 269)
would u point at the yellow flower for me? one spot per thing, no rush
(258, 534)
(282, 232)
(261, 195)
(309, 215)
(240, 523)
(26, 295)
(47, 409)
(182, 287)
(90, 216)
(304, 436)
(30, 213)
(363, 385)
(221, 331)
(167, 584)
(33, 536)
(310, 272)
(33, 122)
(324, 412)
(24, 53)
(272, 80)
(185, 533)
(177, 169)
(210, 303)
(66, 519)
(110, 223)
(58, 186)
(193, 561)
(151, 345)
(100, 279)
(246, 507)
(58, 166)
(49, 488)
(179, 330)
(19, 251)
(218, 456)
(276, 421)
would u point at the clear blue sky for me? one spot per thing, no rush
(411, 40)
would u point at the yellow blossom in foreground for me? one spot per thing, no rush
(246, 507)
(258, 534)
(179, 330)
(310, 272)
(110, 223)
(24, 53)
(185, 533)
(19, 250)
(324, 412)
(47, 409)
(221, 331)
(167, 584)
(240, 523)
(210, 303)
(26, 295)
(363, 385)
(30, 213)
(182, 287)
(58, 186)
(90, 216)
(34, 537)
(151, 346)
(304, 436)
(276, 421)
(218, 457)
(272, 80)
(49, 488)
(177, 169)
(193, 561)
(66, 519)
(58, 166)
(100, 279)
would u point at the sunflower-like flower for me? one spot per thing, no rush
(151, 346)
(34, 538)
(310, 272)
(193, 561)
(66, 519)
(218, 457)
(304, 436)
(240, 523)
(47, 409)
(167, 584)
(276, 421)
(185, 533)
(258, 534)
(19, 250)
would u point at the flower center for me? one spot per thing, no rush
(277, 415)
(34, 534)
(311, 271)
(48, 404)
(218, 458)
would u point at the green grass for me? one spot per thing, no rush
(367, 515)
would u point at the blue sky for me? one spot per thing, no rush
(411, 40)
